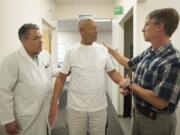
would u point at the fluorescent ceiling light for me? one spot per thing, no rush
(96, 19)
(103, 20)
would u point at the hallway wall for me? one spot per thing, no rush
(66, 11)
(14, 13)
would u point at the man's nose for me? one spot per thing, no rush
(143, 30)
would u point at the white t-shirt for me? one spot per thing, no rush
(88, 66)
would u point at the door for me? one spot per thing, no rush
(128, 52)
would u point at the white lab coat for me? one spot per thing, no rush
(25, 91)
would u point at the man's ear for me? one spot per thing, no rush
(161, 26)
(23, 40)
(80, 29)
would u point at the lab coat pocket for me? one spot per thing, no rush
(26, 107)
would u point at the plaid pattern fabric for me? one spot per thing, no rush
(158, 70)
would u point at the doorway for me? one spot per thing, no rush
(128, 52)
(47, 29)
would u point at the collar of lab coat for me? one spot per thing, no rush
(26, 56)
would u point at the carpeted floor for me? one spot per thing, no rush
(113, 127)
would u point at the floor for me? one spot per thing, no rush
(125, 125)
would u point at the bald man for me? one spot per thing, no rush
(88, 63)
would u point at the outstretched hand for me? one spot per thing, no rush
(107, 47)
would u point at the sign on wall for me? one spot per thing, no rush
(118, 10)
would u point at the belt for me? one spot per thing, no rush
(147, 112)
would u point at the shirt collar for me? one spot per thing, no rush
(161, 50)
(25, 54)
(35, 59)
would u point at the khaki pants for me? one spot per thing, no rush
(79, 123)
(165, 124)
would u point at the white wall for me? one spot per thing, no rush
(13, 14)
(117, 43)
(66, 11)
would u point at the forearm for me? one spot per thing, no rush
(148, 96)
(58, 87)
(121, 59)
(115, 76)
(7, 106)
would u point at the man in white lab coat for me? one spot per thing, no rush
(25, 85)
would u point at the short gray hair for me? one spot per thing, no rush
(24, 30)
(168, 16)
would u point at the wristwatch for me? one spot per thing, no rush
(126, 84)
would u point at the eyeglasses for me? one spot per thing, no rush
(150, 23)
(35, 39)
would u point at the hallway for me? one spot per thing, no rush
(50, 14)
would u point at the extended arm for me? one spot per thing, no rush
(115, 76)
(59, 83)
(121, 59)
(118, 79)
(147, 95)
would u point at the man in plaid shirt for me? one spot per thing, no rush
(156, 80)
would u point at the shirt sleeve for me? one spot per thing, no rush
(169, 86)
(66, 64)
(109, 64)
(8, 79)
(133, 63)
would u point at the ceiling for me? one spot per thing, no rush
(84, 1)
(70, 25)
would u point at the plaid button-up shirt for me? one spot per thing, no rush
(159, 71)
